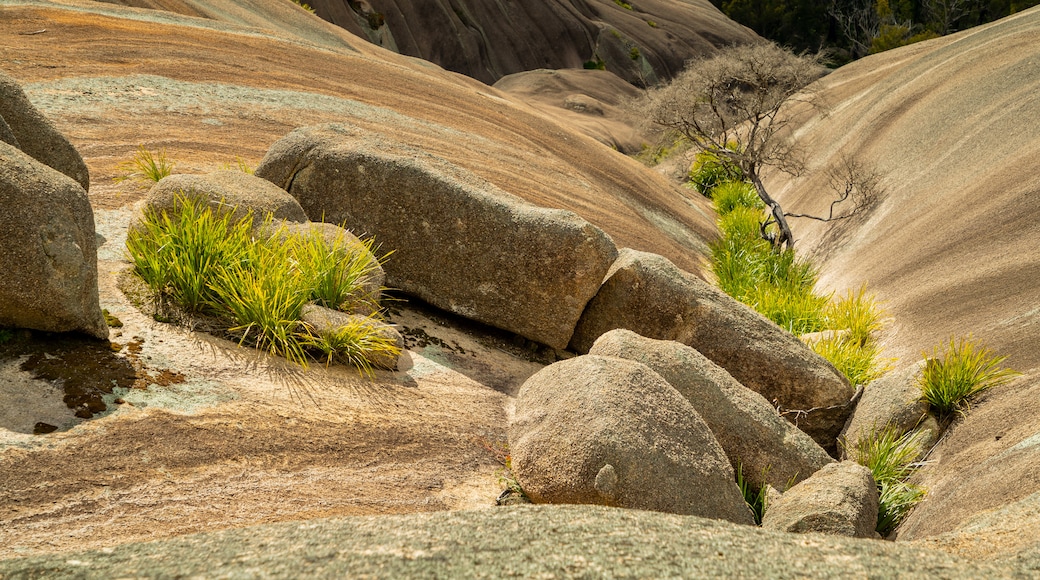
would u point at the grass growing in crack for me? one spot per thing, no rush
(203, 261)
(146, 166)
(890, 457)
(958, 372)
(780, 286)
(756, 499)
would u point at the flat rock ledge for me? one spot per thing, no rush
(518, 541)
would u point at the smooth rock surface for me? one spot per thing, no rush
(768, 448)
(520, 541)
(48, 254)
(226, 190)
(840, 499)
(458, 242)
(36, 135)
(647, 294)
(608, 431)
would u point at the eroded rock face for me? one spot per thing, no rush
(893, 401)
(609, 431)
(487, 40)
(35, 135)
(48, 253)
(647, 294)
(769, 449)
(228, 190)
(840, 499)
(458, 242)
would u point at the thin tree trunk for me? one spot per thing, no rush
(786, 238)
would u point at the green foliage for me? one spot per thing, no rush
(623, 4)
(336, 271)
(239, 164)
(755, 499)
(146, 166)
(356, 343)
(596, 63)
(858, 314)
(176, 255)
(651, 23)
(890, 458)
(958, 372)
(730, 195)
(709, 170)
(861, 363)
(304, 5)
(6, 335)
(203, 261)
(634, 53)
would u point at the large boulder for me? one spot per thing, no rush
(769, 449)
(48, 253)
(647, 294)
(840, 499)
(609, 431)
(893, 401)
(35, 135)
(458, 242)
(228, 190)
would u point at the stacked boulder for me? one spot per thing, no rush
(49, 250)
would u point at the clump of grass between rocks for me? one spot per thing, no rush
(205, 262)
(756, 499)
(890, 457)
(957, 372)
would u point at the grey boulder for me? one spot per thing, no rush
(49, 252)
(609, 431)
(892, 401)
(228, 190)
(649, 295)
(768, 448)
(840, 499)
(35, 135)
(458, 242)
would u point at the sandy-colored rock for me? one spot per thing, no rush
(228, 190)
(609, 431)
(48, 253)
(458, 242)
(893, 401)
(324, 321)
(36, 135)
(647, 294)
(768, 448)
(840, 499)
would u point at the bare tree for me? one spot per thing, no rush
(734, 104)
(856, 188)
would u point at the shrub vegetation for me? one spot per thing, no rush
(203, 262)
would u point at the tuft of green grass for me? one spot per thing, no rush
(860, 362)
(338, 270)
(708, 171)
(146, 166)
(176, 255)
(890, 457)
(756, 499)
(203, 261)
(730, 195)
(958, 372)
(357, 343)
(239, 164)
(6, 335)
(858, 314)
(791, 306)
